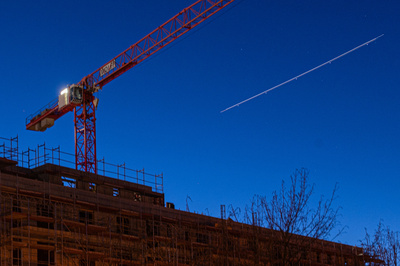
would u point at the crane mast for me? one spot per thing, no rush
(80, 97)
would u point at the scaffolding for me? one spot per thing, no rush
(44, 221)
(42, 154)
(54, 215)
(9, 148)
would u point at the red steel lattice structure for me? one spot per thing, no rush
(84, 113)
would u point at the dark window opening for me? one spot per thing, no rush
(123, 225)
(46, 211)
(169, 231)
(202, 238)
(45, 257)
(152, 228)
(15, 206)
(17, 256)
(86, 217)
(87, 263)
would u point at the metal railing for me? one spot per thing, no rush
(52, 104)
(9, 151)
(41, 155)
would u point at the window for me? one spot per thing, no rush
(153, 228)
(17, 255)
(45, 257)
(68, 182)
(15, 206)
(83, 262)
(169, 231)
(157, 228)
(123, 225)
(92, 187)
(115, 192)
(202, 238)
(137, 197)
(86, 217)
(44, 209)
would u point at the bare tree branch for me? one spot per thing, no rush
(384, 246)
(289, 214)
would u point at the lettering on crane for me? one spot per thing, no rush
(105, 69)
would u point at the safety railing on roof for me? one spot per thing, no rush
(40, 155)
(9, 151)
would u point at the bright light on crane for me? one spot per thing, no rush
(64, 91)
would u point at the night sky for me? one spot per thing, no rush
(342, 122)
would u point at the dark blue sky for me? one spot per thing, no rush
(341, 121)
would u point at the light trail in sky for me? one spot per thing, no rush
(302, 74)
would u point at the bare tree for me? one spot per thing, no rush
(289, 214)
(384, 247)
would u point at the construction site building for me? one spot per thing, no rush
(55, 215)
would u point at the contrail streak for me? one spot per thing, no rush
(302, 74)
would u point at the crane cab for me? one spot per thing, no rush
(70, 95)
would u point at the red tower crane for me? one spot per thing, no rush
(80, 97)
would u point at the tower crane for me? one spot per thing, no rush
(80, 97)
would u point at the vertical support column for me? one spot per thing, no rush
(15, 150)
(85, 135)
(223, 212)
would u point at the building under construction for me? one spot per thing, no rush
(55, 211)
(54, 215)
